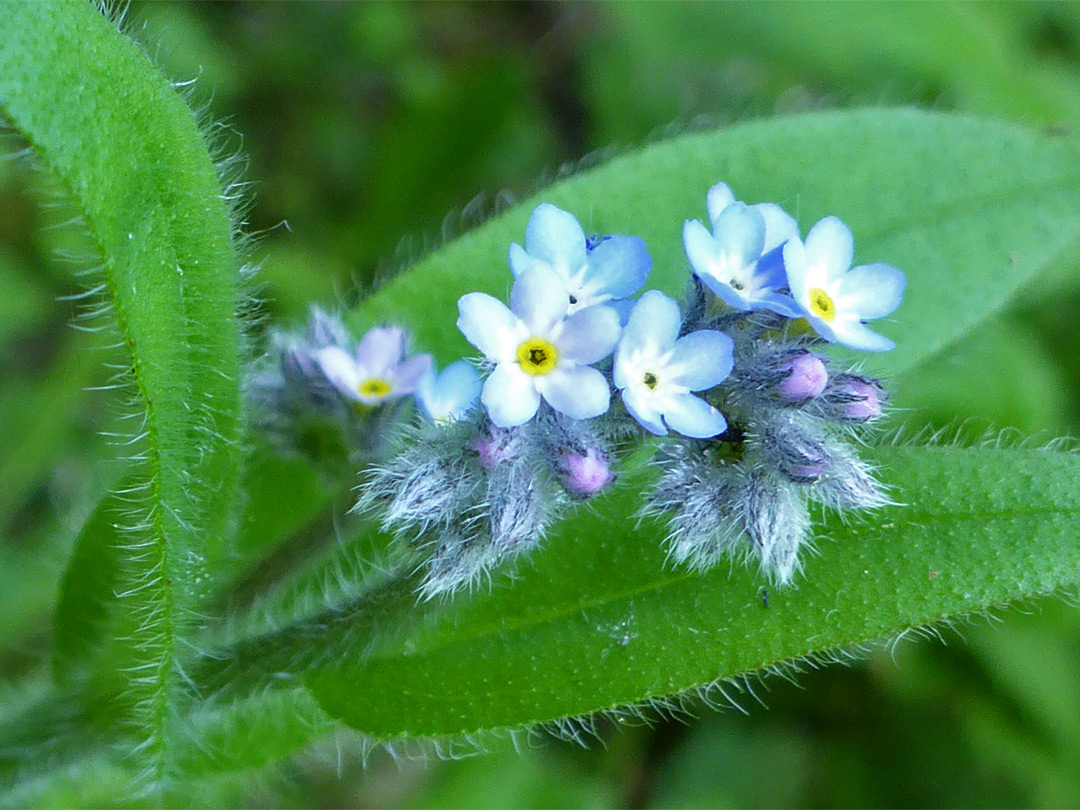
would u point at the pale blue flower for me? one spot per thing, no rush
(834, 296)
(448, 396)
(741, 261)
(657, 370)
(595, 271)
(539, 349)
(376, 372)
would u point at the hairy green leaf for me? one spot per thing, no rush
(599, 621)
(128, 150)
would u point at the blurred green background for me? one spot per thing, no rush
(372, 133)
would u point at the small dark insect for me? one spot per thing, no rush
(764, 594)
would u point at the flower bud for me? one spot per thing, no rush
(326, 330)
(776, 520)
(491, 447)
(585, 474)
(806, 378)
(852, 398)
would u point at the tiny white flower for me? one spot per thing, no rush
(834, 296)
(447, 397)
(741, 261)
(595, 271)
(376, 373)
(538, 351)
(657, 370)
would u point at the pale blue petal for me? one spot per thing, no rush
(780, 226)
(589, 335)
(870, 291)
(624, 308)
(694, 417)
(540, 299)
(380, 350)
(796, 270)
(739, 231)
(489, 326)
(700, 247)
(460, 384)
(770, 269)
(554, 236)
(579, 392)
(701, 360)
(520, 261)
(643, 412)
(719, 198)
(651, 331)
(781, 304)
(618, 266)
(403, 378)
(340, 370)
(830, 246)
(510, 396)
(855, 335)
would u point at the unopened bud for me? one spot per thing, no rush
(852, 398)
(806, 378)
(585, 474)
(326, 330)
(491, 448)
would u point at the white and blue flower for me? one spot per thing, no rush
(446, 397)
(539, 349)
(657, 370)
(834, 296)
(741, 261)
(376, 373)
(594, 271)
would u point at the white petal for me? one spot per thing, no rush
(489, 326)
(780, 226)
(554, 236)
(589, 335)
(694, 417)
(701, 360)
(380, 350)
(340, 369)
(855, 335)
(643, 410)
(829, 247)
(539, 298)
(579, 392)
(510, 396)
(654, 323)
(870, 291)
(719, 198)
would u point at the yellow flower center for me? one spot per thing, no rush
(536, 356)
(821, 305)
(374, 387)
(650, 380)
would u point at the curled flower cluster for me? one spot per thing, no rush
(758, 421)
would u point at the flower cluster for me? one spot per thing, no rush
(757, 419)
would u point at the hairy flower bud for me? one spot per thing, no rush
(792, 447)
(585, 474)
(806, 378)
(492, 446)
(775, 518)
(852, 398)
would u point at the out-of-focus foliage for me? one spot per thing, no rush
(369, 130)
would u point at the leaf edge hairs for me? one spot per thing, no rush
(754, 421)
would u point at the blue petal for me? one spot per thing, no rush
(380, 350)
(701, 359)
(855, 335)
(589, 335)
(700, 247)
(510, 396)
(830, 246)
(459, 386)
(618, 266)
(719, 198)
(554, 236)
(870, 291)
(694, 417)
(651, 331)
(781, 304)
(646, 416)
(739, 231)
(770, 268)
(780, 226)
(579, 392)
(540, 299)
(520, 261)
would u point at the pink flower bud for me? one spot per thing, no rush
(491, 448)
(865, 403)
(806, 379)
(587, 474)
(852, 398)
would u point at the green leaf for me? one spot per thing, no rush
(128, 150)
(970, 210)
(599, 621)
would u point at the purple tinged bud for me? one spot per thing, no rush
(852, 398)
(585, 474)
(491, 447)
(806, 379)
